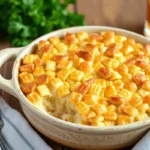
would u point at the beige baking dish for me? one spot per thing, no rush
(70, 134)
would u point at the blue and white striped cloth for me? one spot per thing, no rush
(17, 133)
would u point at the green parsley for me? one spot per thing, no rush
(25, 20)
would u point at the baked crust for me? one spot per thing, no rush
(96, 79)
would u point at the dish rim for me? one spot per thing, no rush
(69, 125)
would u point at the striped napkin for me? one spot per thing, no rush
(17, 133)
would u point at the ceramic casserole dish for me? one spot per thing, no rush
(67, 133)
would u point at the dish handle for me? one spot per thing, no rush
(5, 55)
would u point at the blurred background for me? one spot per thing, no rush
(126, 14)
(21, 21)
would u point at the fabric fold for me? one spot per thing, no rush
(144, 143)
(17, 132)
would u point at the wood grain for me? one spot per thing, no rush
(126, 14)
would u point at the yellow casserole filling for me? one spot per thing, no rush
(95, 79)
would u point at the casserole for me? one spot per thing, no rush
(73, 135)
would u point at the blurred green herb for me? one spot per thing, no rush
(25, 20)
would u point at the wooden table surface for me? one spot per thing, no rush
(126, 14)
